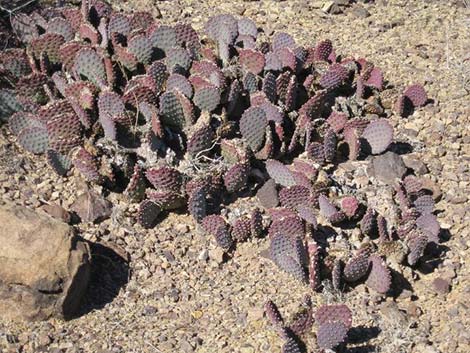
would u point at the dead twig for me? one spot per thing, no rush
(11, 12)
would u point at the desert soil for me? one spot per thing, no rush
(179, 295)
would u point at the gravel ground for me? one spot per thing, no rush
(179, 294)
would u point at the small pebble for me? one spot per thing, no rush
(441, 285)
(360, 12)
(203, 255)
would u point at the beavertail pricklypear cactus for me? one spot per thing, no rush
(314, 265)
(236, 177)
(219, 229)
(197, 204)
(379, 135)
(358, 266)
(331, 334)
(207, 98)
(288, 253)
(253, 126)
(289, 224)
(323, 50)
(332, 321)
(34, 139)
(89, 64)
(178, 119)
(350, 206)
(294, 196)
(329, 211)
(334, 77)
(302, 321)
(280, 173)
(86, 164)
(273, 314)
(148, 213)
(416, 94)
(379, 278)
(241, 229)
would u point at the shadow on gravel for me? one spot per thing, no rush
(323, 233)
(300, 343)
(109, 273)
(434, 254)
(400, 148)
(362, 334)
(409, 110)
(362, 349)
(399, 284)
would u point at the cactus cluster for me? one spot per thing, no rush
(332, 325)
(181, 119)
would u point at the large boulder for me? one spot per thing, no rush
(44, 266)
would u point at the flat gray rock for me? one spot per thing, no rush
(387, 168)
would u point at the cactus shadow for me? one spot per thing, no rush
(444, 235)
(362, 334)
(433, 256)
(400, 147)
(302, 346)
(362, 349)
(399, 284)
(409, 109)
(323, 233)
(109, 273)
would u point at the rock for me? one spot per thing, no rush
(157, 13)
(410, 132)
(441, 285)
(203, 255)
(405, 294)
(360, 12)
(413, 310)
(186, 346)
(169, 256)
(92, 207)
(392, 315)
(14, 339)
(217, 255)
(182, 228)
(247, 349)
(255, 314)
(44, 339)
(149, 310)
(433, 187)
(453, 311)
(174, 294)
(44, 267)
(387, 167)
(196, 341)
(425, 348)
(56, 211)
(417, 165)
(267, 194)
(316, 4)
(456, 199)
(197, 314)
(331, 7)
